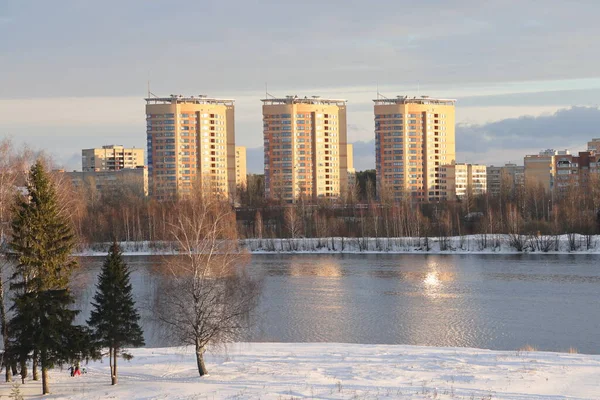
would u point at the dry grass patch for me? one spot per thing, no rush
(528, 347)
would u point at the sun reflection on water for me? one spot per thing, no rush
(432, 280)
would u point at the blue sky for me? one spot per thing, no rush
(73, 74)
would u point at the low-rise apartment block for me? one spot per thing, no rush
(576, 172)
(241, 178)
(103, 181)
(540, 169)
(460, 179)
(594, 146)
(507, 178)
(111, 158)
(351, 170)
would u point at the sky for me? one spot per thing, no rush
(73, 74)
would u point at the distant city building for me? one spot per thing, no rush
(461, 179)
(305, 148)
(191, 143)
(413, 138)
(509, 176)
(135, 179)
(350, 164)
(240, 166)
(111, 158)
(540, 169)
(594, 146)
(576, 171)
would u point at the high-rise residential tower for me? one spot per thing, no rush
(191, 143)
(305, 148)
(413, 138)
(111, 158)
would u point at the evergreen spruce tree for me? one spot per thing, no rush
(42, 324)
(114, 319)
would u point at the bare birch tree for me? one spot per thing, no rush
(208, 296)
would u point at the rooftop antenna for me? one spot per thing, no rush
(150, 94)
(377, 90)
(267, 94)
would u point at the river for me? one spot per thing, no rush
(501, 302)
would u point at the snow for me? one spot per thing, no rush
(466, 244)
(333, 371)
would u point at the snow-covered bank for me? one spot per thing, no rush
(482, 244)
(467, 244)
(334, 371)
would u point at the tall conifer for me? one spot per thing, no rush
(114, 319)
(43, 240)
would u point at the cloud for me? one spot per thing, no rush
(116, 49)
(562, 129)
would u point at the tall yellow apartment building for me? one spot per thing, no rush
(413, 138)
(191, 143)
(305, 148)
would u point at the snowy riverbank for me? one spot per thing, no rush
(467, 244)
(334, 371)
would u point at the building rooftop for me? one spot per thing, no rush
(180, 99)
(304, 100)
(415, 100)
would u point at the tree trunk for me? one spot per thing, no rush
(114, 368)
(34, 368)
(23, 369)
(200, 360)
(45, 383)
(7, 373)
(4, 326)
(110, 362)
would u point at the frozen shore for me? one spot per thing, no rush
(467, 244)
(333, 371)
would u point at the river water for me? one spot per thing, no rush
(501, 302)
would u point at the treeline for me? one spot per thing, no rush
(124, 214)
(527, 209)
(524, 210)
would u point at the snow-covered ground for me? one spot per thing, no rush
(334, 371)
(466, 244)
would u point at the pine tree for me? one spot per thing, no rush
(114, 319)
(43, 240)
